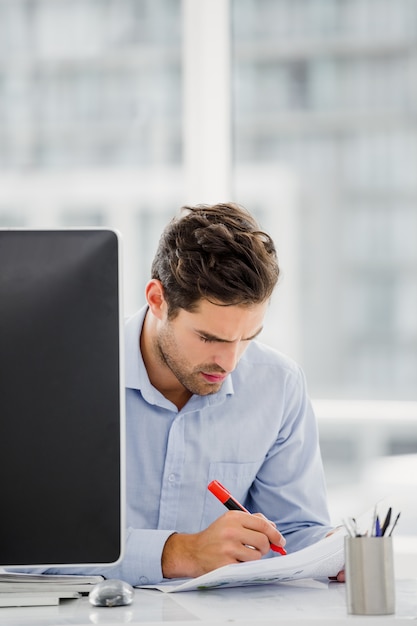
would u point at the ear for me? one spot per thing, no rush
(154, 293)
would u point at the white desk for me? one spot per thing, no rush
(286, 604)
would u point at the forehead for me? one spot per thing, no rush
(225, 322)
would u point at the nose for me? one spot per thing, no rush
(228, 356)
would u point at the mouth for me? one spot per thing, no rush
(213, 378)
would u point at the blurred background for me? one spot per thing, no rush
(117, 112)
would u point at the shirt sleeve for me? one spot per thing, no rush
(290, 486)
(140, 565)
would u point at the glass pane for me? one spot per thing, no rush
(89, 83)
(325, 149)
(91, 117)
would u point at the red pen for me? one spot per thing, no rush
(232, 504)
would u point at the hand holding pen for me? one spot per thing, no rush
(226, 498)
(235, 537)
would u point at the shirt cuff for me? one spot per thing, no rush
(141, 564)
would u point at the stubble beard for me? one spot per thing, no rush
(191, 380)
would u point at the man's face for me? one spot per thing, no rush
(201, 348)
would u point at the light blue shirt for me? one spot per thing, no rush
(257, 435)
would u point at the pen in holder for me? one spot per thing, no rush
(369, 575)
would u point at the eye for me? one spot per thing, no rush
(208, 339)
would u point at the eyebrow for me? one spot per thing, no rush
(211, 337)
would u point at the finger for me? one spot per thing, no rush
(340, 578)
(256, 541)
(265, 518)
(263, 525)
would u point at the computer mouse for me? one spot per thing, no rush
(111, 592)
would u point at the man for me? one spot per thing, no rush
(206, 401)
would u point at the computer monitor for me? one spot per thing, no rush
(61, 398)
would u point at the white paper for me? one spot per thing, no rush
(29, 577)
(21, 582)
(322, 559)
(46, 598)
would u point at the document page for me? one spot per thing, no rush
(20, 582)
(322, 559)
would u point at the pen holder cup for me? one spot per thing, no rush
(369, 575)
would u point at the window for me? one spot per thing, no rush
(323, 95)
(117, 112)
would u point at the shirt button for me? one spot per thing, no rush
(143, 580)
(171, 478)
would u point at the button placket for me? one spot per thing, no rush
(171, 481)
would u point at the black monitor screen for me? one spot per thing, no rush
(60, 397)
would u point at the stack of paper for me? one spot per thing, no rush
(23, 589)
(321, 560)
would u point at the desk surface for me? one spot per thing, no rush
(285, 604)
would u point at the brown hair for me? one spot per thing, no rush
(217, 253)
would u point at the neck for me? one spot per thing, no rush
(159, 373)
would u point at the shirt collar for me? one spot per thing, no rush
(136, 376)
